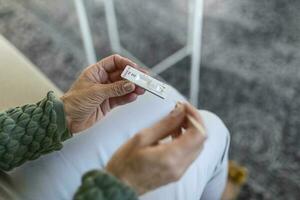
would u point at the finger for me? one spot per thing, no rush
(164, 127)
(120, 64)
(115, 62)
(177, 133)
(192, 140)
(96, 73)
(116, 89)
(115, 76)
(194, 119)
(117, 101)
(180, 152)
(194, 124)
(105, 107)
(188, 142)
(139, 91)
(193, 112)
(142, 69)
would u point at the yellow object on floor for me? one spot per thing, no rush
(237, 177)
(237, 174)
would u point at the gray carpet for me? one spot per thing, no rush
(249, 73)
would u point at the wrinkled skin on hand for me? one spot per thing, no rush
(98, 89)
(144, 163)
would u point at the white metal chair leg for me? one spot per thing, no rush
(196, 51)
(112, 25)
(85, 32)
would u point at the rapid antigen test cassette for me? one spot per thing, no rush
(145, 81)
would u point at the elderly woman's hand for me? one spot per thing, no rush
(145, 164)
(98, 89)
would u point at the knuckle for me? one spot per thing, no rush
(175, 174)
(198, 145)
(199, 139)
(169, 162)
(117, 90)
(139, 157)
(116, 55)
(168, 120)
(172, 117)
(146, 131)
(86, 72)
(94, 88)
(138, 139)
(172, 166)
(177, 153)
(91, 68)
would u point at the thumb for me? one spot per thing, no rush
(117, 89)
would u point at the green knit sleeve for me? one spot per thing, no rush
(99, 185)
(29, 131)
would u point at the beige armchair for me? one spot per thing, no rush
(20, 81)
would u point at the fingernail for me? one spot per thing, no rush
(177, 110)
(135, 65)
(178, 103)
(128, 87)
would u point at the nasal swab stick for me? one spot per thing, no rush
(156, 87)
(198, 126)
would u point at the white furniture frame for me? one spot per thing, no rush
(192, 47)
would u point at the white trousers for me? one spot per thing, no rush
(56, 176)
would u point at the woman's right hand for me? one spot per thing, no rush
(146, 164)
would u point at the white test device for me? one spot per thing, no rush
(145, 81)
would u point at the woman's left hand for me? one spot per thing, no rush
(98, 89)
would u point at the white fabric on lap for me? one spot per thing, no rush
(57, 175)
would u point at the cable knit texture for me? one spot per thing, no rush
(29, 131)
(98, 185)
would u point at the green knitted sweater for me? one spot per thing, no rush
(32, 130)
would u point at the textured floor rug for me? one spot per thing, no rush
(249, 74)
